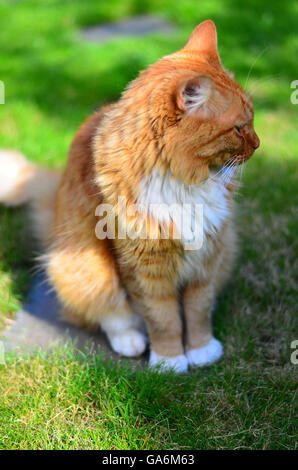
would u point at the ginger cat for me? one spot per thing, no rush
(161, 145)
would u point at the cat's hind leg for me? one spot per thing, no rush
(87, 283)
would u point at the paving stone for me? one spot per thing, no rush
(136, 26)
(39, 325)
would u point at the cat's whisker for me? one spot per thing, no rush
(225, 176)
(221, 171)
(267, 77)
(265, 82)
(231, 172)
(242, 166)
(227, 170)
(254, 63)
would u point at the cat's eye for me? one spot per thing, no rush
(238, 127)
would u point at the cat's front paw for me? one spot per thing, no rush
(205, 355)
(129, 343)
(163, 364)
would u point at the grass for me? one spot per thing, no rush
(53, 81)
(66, 401)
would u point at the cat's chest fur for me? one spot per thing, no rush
(165, 198)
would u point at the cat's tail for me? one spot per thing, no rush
(23, 182)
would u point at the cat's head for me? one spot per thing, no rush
(199, 114)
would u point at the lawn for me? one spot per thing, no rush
(53, 80)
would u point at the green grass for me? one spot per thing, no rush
(53, 81)
(66, 401)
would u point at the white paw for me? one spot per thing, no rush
(128, 343)
(205, 355)
(164, 364)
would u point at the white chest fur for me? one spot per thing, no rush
(160, 195)
(164, 198)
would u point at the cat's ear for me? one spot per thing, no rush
(199, 96)
(204, 40)
(193, 94)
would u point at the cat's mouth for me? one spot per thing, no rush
(250, 143)
(238, 159)
(243, 157)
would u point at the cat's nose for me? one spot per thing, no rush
(252, 138)
(255, 141)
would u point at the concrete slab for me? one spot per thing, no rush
(137, 26)
(39, 325)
